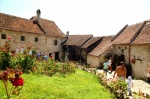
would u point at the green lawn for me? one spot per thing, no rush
(81, 85)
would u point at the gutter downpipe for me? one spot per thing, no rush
(129, 55)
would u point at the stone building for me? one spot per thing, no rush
(44, 35)
(97, 56)
(72, 46)
(140, 51)
(89, 46)
(133, 44)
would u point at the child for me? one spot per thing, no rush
(130, 84)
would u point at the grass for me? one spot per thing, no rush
(81, 85)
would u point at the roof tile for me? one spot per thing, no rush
(144, 35)
(49, 27)
(77, 40)
(127, 34)
(10, 22)
(102, 47)
(90, 42)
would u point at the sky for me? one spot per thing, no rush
(97, 17)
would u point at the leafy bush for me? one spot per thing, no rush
(5, 56)
(51, 67)
(118, 87)
(26, 62)
(5, 60)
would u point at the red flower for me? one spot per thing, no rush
(9, 38)
(18, 82)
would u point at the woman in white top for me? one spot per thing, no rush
(109, 64)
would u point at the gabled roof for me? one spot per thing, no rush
(43, 26)
(90, 42)
(77, 40)
(9, 22)
(128, 34)
(102, 47)
(144, 35)
(49, 27)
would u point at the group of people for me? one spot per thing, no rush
(44, 56)
(120, 73)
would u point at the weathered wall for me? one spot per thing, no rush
(122, 49)
(45, 43)
(97, 61)
(93, 60)
(141, 52)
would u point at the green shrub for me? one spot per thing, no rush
(5, 60)
(26, 62)
(118, 87)
(51, 67)
(5, 56)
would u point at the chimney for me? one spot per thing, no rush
(38, 14)
(67, 34)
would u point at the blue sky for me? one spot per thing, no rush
(97, 17)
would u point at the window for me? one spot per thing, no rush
(3, 36)
(55, 42)
(36, 39)
(22, 38)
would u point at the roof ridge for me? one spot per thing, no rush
(119, 32)
(137, 33)
(41, 19)
(40, 26)
(14, 16)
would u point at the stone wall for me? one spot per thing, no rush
(45, 43)
(141, 53)
(97, 61)
(93, 60)
(124, 50)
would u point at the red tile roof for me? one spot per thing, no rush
(9, 22)
(102, 47)
(144, 35)
(49, 27)
(127, 34)
(77, 40)
(90, 42)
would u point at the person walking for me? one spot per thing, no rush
(120, 71)
(105, 68)
(130, 85)
(110, 64)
